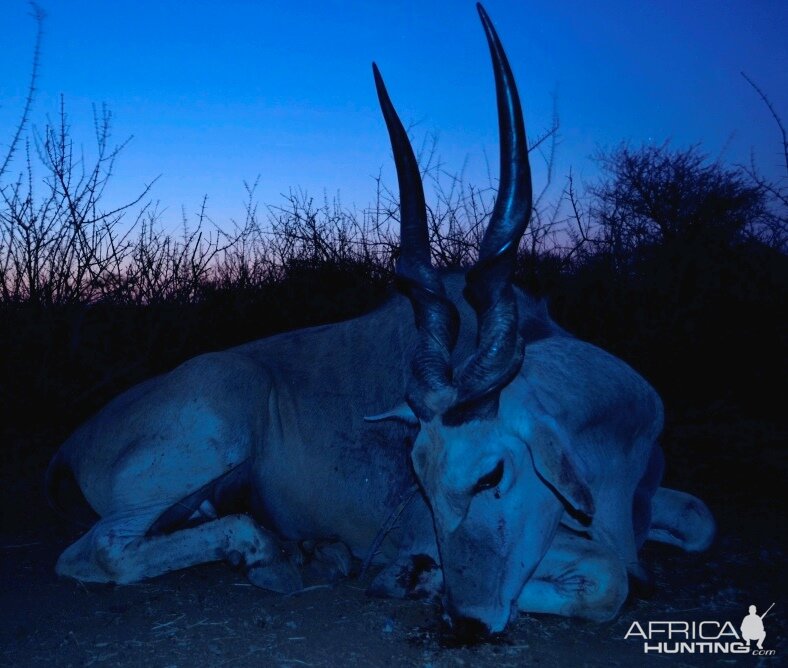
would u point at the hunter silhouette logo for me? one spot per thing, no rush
(752, 626)
(703, 637)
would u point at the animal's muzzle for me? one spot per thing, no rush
(471, 629)
(461, 631)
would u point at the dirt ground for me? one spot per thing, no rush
(210, 615)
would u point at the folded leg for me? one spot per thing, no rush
(680, 519)
(576, 578)
(117, 549)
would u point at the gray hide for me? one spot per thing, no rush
(535, 495)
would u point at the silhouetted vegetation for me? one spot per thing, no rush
(675, 263)
(682, 271)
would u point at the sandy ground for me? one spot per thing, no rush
(210, 615)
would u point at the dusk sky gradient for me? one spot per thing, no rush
(216, 93)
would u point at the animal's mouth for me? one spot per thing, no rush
(467, 632)
(458, 630)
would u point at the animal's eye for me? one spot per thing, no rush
(490, 479)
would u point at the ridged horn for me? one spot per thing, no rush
(489, 288)
(430, 389)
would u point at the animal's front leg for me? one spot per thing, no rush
(415, 571)
(576, 578)
(117, 549)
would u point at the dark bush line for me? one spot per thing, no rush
(705, 325)
(68, 360)
(710, 338)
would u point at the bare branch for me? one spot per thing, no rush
(38, 15)
(775, 115)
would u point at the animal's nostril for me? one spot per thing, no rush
(469, 630)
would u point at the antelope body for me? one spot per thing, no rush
(502, 467)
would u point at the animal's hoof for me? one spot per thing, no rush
(280, 577)
(413, 576)
(336, 556)
(327, 560)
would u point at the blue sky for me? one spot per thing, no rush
(216, 93)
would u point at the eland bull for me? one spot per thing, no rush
(483, 456)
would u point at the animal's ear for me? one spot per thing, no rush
(558, 466)
(401, 412)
